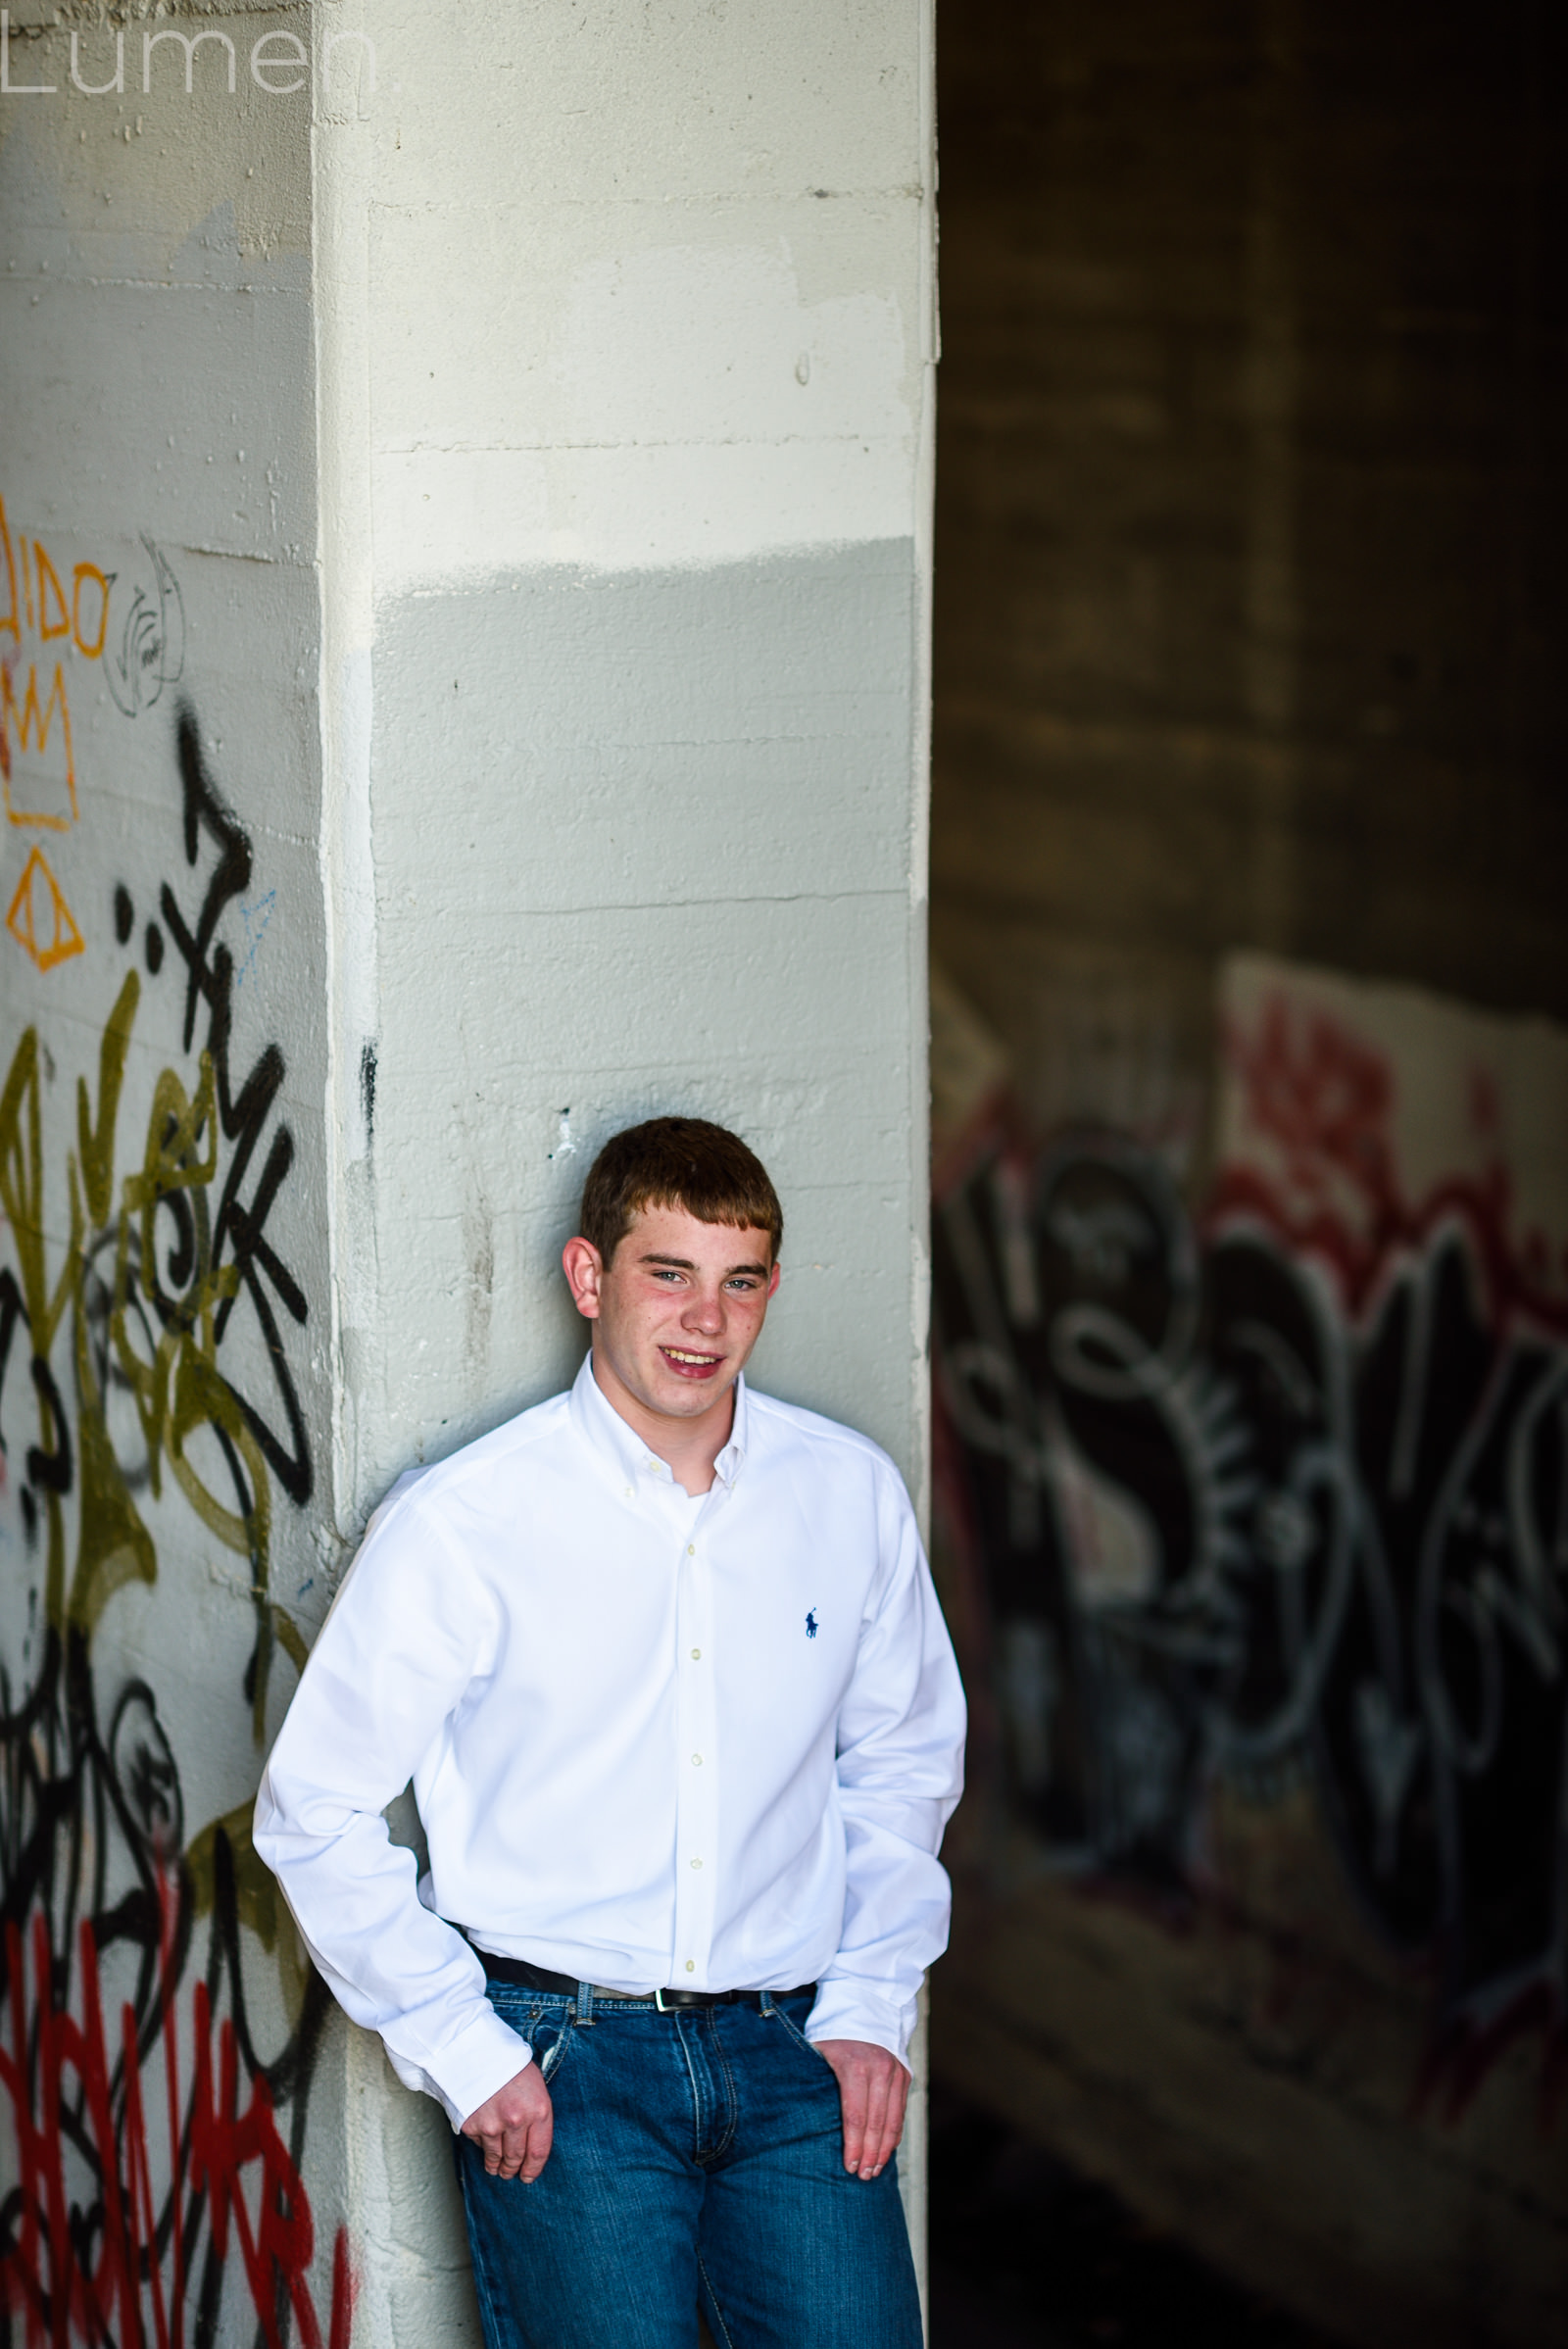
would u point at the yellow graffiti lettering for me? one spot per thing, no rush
(30, 727)
(38, 917)
(84, 572)
(49, 585)
(10, 622)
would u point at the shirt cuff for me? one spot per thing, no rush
(485, 2054)
(849, 2009)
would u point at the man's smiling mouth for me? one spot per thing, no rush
(673, 1353)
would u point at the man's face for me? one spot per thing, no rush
(678, 1308)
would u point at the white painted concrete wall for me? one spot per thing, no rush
(560, 640)
(637, 414)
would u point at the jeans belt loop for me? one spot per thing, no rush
(585, 2003)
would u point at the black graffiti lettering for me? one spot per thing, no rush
(238, 1235)
(1228, 1528)
(12, 1311)
(50, 1470)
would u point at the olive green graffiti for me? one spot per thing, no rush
(173, 1377)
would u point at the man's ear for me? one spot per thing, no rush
(773, 1277)
(584, 1271)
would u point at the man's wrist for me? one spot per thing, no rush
(847, 2011)
(838, 2044)
(479, 2061)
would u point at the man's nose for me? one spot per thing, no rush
(705, 1311)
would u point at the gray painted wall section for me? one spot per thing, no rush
(642, 842)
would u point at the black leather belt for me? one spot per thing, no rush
(525, 1977)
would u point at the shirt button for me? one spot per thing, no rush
(697, 1655)
(697, 1761)
(691, 1549)
(697, 1862)
(691, 1965)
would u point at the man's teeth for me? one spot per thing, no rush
(676, 1355)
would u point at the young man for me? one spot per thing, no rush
(665, 1663)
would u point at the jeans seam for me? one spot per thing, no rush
(697, 2093)
(480, 2258)
(727, 2337)
(731, 2098)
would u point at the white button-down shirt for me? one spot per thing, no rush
(654, 1740)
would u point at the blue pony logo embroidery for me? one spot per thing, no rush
(810, 1623)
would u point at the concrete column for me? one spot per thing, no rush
(463, 621)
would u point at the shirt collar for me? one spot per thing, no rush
(619, 1444)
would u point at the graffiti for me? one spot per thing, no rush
(151, 651)
(29, 728)
(37, 764)
(158, 2021)
(50, 627)
(1279, 1493)
(38, 917)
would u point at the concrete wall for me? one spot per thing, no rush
(641, 444)
(1251, 479)
(1250, 497)
(504, 464)
(165, 1291)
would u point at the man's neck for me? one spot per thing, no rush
(688, 1448)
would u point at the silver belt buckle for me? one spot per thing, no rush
(659, 2001)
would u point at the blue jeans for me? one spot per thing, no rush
(698, 2157)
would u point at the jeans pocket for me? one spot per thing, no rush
(546, 2028)
(550, 2040)
(794, 2031)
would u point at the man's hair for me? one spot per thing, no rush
(677, 1163)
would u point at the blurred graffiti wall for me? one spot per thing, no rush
(1258, 1513)
(1249, 1078)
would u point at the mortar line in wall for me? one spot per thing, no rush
(803, 897)
(727, 199)
(584, 577)
(555, 447)
(750, 741)
(138, 804)
(545, 1218)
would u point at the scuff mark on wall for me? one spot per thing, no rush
(367, 1090)
(479, 1255)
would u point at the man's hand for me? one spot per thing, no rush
(873, 2090)
(515, 2127)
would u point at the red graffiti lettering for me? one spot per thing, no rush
(103, 2230)
(1324, 1100)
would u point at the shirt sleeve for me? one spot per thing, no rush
(899, 1775)
(410, 1631)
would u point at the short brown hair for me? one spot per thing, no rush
(677, 1163)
